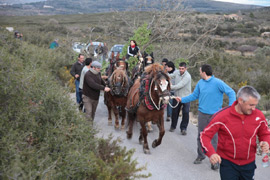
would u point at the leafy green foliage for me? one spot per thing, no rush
(251, 15)
(132, 61)
(42, 136)
(142, 37)
(178, 61)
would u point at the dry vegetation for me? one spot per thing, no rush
(37, 107)
(234, 47)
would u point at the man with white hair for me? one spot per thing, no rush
(92, 85)
(237, 127)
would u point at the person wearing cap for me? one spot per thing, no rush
(92, 85)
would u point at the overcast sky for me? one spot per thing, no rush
(253, 2)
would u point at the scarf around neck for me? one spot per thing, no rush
(93, 71)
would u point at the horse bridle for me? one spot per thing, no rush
(160, 95)
(124, 90)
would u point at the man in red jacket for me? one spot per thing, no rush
(237, 127)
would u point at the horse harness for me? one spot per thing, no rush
(144, 96)
(124, 90)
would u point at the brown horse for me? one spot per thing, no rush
(146, 101)
(116, 99)
(112, 66)
(144, 60)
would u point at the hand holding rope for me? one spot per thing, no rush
(174, 97)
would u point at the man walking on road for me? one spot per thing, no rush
(92, 85)
(88, 62)
(237, 127)
(75, 71)
(209, 90)
(181, 88)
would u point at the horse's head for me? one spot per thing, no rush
(160, 81)
(148, 58)
(119, 82)
(120, 64)
(162, 86)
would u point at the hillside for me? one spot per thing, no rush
(18, 1)
(53, 7)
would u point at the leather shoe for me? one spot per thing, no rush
(183, 132)
(81, 106)
(171, 129)
(198, 160)
(168, 119)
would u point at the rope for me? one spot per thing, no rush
(158, 108)
(173, 97)
(160, 99)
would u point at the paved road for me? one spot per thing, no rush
(173, 159)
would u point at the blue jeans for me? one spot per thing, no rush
(78, 92)
(231, 171)
(185, 115)
(169, 108)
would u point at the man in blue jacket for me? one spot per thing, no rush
(209, 90)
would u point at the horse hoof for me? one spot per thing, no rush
(110, 122)
(122, 127)
(116, 126)
(154, 144)
(146, 151)
(140, 140)
(129, 136)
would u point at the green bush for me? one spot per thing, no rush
(42, 136)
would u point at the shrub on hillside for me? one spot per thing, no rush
(42, 136)
(246, 48)
(53, 26)
(66, 78)
(261, 53)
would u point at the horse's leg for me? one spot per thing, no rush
(109, 114)
(160, 125)
(131, 118)
(141, 137)
(123, 117)
(115, 110)
(149, 126)
(144, 134)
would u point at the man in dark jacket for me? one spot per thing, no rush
(75, 71)
(92, 85)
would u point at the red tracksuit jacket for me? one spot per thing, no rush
(236, 134)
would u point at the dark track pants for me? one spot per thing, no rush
(231, 171)
(185, 115)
